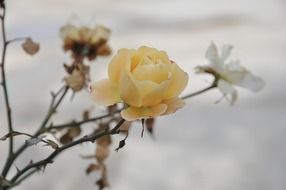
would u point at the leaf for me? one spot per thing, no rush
(92, 168)
(52, 144)
(65, 139)
(104, 141)
(103, 181)
(30, 47)
(101, 153)
(85, 114)
(111, 109)
(74, 132)
(11, 134)
(71, 133)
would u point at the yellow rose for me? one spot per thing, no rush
(144, 79)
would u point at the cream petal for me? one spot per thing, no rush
(252, 82)
(128, 89)
(154, 54)
(119, 61)
(104, 92)
(227, 89)
(152, 93)
(179, 81)
(147, 70)
(133, 113)
(173, 105)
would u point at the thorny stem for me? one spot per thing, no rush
(4, 85)
(43, 163)
(78, 123)
(74, 123)
(53, 107)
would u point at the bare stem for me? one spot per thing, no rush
(200, 91)
(77, 123)
(55, 153)
(52, 109)
(5, 88)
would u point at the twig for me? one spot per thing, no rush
(49, 159)
(15, 40)
(51, 111)
(199, 92)
(77, 123)
(5, 88)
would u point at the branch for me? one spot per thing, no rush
(55, 153)
(214, 85)
(77, 123)
(5, 88)
(52, 109)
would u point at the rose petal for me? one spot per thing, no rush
(147, 70)
(152, 93)
(179, 81)
(133, 113)
(104, 92)
(173, 105)
(129, 90)
(119, 61)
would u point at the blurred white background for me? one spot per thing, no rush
(204, 146)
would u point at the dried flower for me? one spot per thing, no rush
(85, 42)
(230, 73)
(78, 76)
(145, 80)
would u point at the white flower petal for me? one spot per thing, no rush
(213, 56)
(227, 89)
(226, 50)
(252, 82)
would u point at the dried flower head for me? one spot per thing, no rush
(85, 42)
(229, 73)
(146, 80)
(78, 76)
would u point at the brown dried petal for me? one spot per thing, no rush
(30, 47)
(104, 50)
